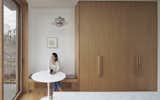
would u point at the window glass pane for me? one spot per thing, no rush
(10, 50)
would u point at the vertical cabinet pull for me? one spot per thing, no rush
(139, 65)
(100, 66)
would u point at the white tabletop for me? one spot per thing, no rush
(46, 77)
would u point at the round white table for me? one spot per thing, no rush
(46, 77)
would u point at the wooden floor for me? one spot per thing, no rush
(34, 95)
(37, 93)
(40, 90)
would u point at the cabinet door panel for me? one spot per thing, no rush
(124, 35)
(143, 45)
(84, 50)
(94, 17)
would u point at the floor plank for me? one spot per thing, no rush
(34, 94)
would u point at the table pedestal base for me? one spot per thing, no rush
(47, 98)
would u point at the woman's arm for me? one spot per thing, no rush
(57, 66)
(51, 63)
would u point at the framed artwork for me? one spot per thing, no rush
(52, 42)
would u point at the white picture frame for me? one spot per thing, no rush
(52, 42)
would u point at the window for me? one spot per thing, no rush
(11, 49)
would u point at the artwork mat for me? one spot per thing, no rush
(52, 42)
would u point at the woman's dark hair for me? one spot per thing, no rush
(56, 56)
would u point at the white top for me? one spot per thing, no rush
(55, 67)
(46, 77)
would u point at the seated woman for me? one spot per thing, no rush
(54, 67)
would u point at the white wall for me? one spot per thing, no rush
(40, 27)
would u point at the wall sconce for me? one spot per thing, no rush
(60, 21)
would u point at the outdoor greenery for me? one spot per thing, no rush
(10, 53)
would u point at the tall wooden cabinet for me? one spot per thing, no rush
(117, 46)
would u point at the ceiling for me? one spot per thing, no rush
(64, 3)
(52, 3)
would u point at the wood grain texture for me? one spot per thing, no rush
(143, 39)
(77, 40)
(1, 49)
(36, 94)
(25, 75)
(119, 32)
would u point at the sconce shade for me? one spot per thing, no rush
(59, 21)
